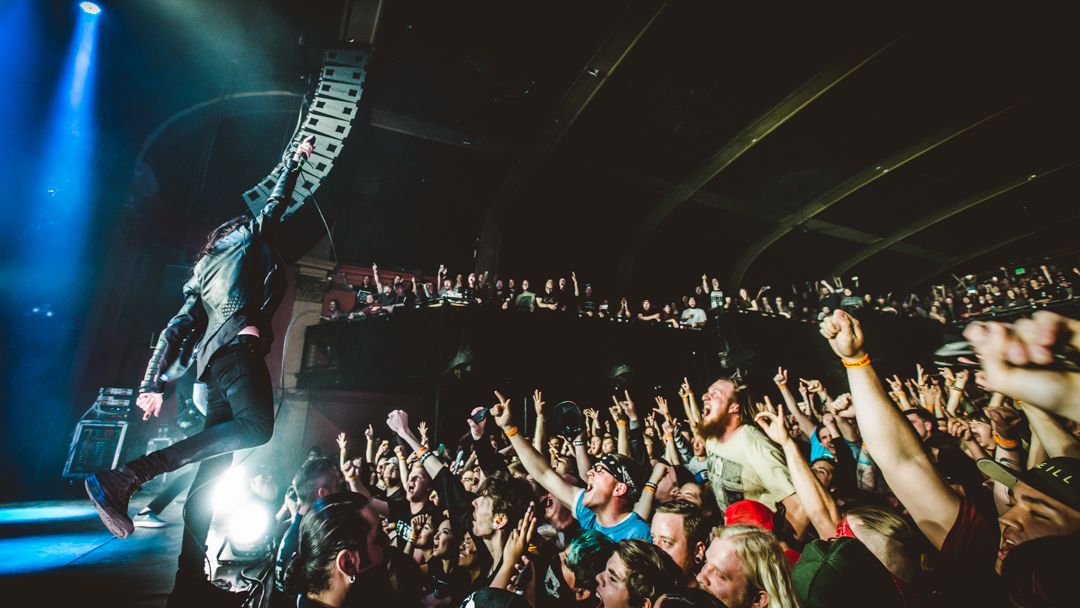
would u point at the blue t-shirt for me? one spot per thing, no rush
(817, 450)
(631, 527)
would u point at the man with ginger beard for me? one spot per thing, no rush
(743, 462)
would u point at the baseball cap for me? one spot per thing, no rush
(1057, 478)
(842, 572)
(751, 513)
(623, 469)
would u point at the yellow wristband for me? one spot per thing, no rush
(649, 488)
(620, 423)
(781, 386)
(863, 362)
(510, 432)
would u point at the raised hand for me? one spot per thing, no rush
(417, 524)
(627, 406)
(501, 412)
(398, 421)
(384, 446)
(342, 442)
(842, 406)
(959, 428)
(1006, 421)
(774, 423)
(304, 150)
(684, 389)
(538, 402)
(616, 411)
(662, 407)
(370, 433)
(476, 429)
(518, 542)
(844, 334)
(351, 470)
(399, 451)
(781, 377)
(422, 427)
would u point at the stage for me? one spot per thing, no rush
(59, 551)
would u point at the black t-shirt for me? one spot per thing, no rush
(401, 514)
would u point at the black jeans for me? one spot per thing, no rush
(239, 415)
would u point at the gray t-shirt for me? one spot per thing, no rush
(693, 315)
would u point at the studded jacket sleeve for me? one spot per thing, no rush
(180, 334)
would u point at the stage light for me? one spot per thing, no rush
(90, 8)
(248, 527)
(230, 490)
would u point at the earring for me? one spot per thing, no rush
(352, 579)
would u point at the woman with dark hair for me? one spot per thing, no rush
(224, 329)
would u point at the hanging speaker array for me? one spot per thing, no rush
(329, 117)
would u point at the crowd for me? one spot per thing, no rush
(971, 298)
(948, 488)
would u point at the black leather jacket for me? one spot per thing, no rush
(239, 282)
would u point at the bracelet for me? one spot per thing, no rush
(1008, 444)
(667, 435)
(781, 386)
(510, 432)
(863, 362)
(426, 455)
(649, 487)
(421, 451)
(620, 423)
(579, 443)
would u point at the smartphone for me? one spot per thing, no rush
(479, 417)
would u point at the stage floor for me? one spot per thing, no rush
(60, 551)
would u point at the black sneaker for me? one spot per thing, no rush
(110, 492)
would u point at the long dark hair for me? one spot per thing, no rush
(333, 524)
(218, 233)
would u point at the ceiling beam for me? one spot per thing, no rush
(639, 16)
(760, 212)
(983, 250)
(844, 189)
(745, 139)
(407, 125)
(927, 221)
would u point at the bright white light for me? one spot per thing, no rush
(90, 8)
(248, 524)
(230, 490)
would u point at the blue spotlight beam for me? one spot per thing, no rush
(64, 191)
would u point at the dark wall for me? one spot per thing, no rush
(571, 358)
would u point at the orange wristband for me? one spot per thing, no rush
(620, 423)
(1008, 444)
(510, 432)
(863, 362)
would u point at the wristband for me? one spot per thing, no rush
(649, 487)
(421, 451)
(667, 435)
(781, 386)
(1008, 444)
(510, 432)
(426, 455)
(579, 443)
(620, 423)
(862, 362)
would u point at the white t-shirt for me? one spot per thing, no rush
(748, 466)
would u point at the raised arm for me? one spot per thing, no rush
(906, 466)
(573, 278)
(375, 273)
(818, 504)
(533, 461)
(538, 434)
(1054, 438)
(693, 414)
(806, 424)
(1014, 360)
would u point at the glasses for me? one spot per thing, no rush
(602, 468)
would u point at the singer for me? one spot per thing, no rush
(224, 324)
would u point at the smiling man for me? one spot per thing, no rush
(612, 485)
